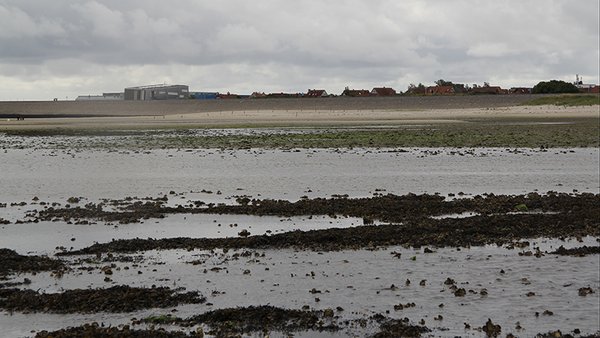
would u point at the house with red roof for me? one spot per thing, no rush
(316, 93)
(355, 92)
(440, 90)
(489, 90)
(383, 91)
(520, 90)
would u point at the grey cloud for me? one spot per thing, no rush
(367, 42)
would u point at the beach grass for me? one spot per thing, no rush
(565, 100)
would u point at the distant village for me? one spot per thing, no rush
(442, 87)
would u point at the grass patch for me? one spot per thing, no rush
(575, 132)
(565, 100)
(492, 135)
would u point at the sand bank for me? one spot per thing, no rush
(316, 117)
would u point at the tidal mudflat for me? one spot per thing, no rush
(116, 239)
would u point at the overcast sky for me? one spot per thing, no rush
(65, 48)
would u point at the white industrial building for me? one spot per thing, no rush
(157, 92)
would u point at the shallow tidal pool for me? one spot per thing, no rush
(362, 282)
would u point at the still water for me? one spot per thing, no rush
(57, 175)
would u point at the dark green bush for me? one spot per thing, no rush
(554, 87)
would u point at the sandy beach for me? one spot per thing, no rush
(276, 113)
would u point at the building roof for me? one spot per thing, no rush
(156, 86)
(383, 91)
(228, 96)
(355, 92)
(316, 93)
(440, 90)
(89, 97)
(488, 90)
(520, 90)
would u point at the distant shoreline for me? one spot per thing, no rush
(401, 121)
(48, 109)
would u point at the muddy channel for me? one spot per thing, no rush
(431, 242)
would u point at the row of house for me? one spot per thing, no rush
(449, 88)
(454, 89)
(377, 91)
(310, 93)
(175, 92)
(489, 90)
(178, 92)
(460, 89)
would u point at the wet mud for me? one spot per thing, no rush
(115, 299)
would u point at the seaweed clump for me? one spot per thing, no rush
(116, 299)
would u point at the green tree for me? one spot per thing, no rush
(414, 89)
(554, 87)
(442, 82)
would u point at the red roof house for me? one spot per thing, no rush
(520, 90)
(356, 92)
(383, 91)
(440, 90)
(488, 90)
(316, 93)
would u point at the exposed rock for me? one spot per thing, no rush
(491, 329)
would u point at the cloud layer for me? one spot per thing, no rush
(65, 48)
